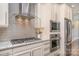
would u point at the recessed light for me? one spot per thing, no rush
(78, 12)
(72, 5)
(38, 3)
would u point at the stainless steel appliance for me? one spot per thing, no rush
(55, 41)
(26, 11)
(54, 26)
(68, 36)
(55, 36)
(23, 40)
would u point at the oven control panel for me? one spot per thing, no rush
(55, 36)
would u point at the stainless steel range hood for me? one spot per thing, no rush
(24, 11)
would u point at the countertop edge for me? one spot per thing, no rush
(23, 44)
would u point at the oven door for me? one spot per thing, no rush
(55, 44)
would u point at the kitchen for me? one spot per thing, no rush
(36, 29)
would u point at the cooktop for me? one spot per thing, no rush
(23, 40)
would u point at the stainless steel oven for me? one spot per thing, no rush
(55, 41)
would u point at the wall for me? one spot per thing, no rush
(75, 30)
(15, 31)
(44, 13)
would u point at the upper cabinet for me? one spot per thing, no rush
(3, 14)
(60, 10)
(70, 13)
(67, 11)
(55, 12)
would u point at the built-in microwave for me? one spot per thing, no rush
(54, 26)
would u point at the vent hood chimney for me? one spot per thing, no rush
(24, 11)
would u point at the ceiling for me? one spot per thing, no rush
(75, 8)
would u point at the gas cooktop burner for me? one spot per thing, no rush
(17, 41)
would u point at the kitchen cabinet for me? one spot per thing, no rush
(55, 53)
(46, 48)
(70, 13)
(67, 11)
(23, 53)
(58, 9)
(37, 51)
(19, 49)
(55, 12)
(3, 14)
(7, 52)
(42, 50)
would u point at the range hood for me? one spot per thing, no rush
(25, 11)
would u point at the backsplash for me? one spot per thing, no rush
(15, 31)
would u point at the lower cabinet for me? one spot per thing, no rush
(46, 49)
(42, 50)
(19, 49)
(30, 52)
(37, 51)
(55, 53)
(6, 52)
(24, 53)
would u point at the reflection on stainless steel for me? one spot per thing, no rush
(23, 40)
(55, 41)
(68, 37)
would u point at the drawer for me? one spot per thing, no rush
(37, 51)
(6, 52)
(33, 45)
(23, 53)
(19, 49)
(24, 48)
(45, 43)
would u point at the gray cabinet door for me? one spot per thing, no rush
(37, 51)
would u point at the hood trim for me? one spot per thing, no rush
(23, 15)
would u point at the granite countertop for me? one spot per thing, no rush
(7, 44)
